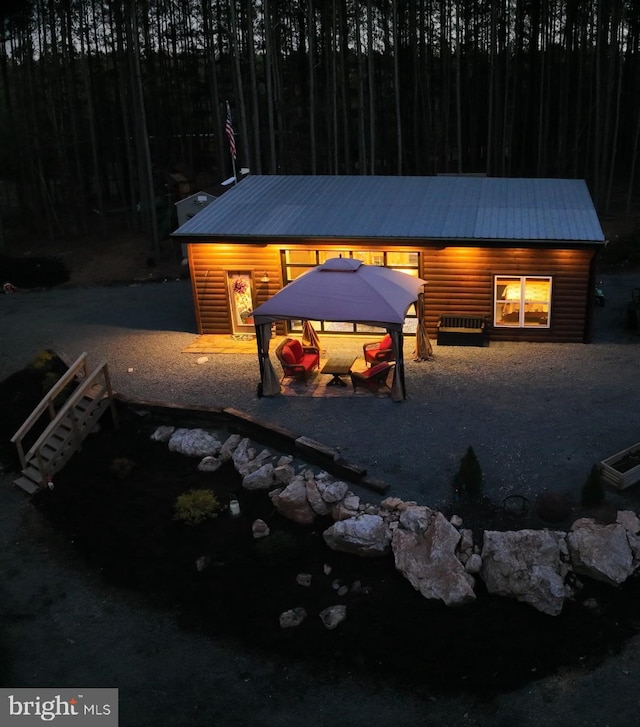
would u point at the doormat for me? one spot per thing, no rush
(243, 337)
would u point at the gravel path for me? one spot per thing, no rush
(537, 415)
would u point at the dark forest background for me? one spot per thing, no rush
(111, 111)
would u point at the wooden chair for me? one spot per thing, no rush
(297, 361)
(372, 379)
(378, 351)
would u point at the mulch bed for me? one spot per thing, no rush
(121, 519)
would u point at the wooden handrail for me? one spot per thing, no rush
(68, 408)
(49, 397)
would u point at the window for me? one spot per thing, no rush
(522, 302)
(296, 261)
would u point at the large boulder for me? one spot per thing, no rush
(427, 559)
(255, 463)
(242, 453)
(194, 443)
(365, 535)
(528, 565)
(320, 507)
(601, 552)
(229, 446)
(292, 503)
(260, 479)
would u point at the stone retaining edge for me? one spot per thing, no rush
(240, 422)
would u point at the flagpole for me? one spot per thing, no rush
(232, 143)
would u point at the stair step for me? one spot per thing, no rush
(33, 473)
(72, 429)
(26, 484)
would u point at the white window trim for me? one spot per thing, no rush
(521, 323)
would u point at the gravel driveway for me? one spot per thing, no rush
(537, 415)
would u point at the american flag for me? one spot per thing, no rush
(228, 128)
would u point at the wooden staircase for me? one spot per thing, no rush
(90, 398)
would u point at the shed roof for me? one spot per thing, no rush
(400, 208)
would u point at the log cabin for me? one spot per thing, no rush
(521, 253)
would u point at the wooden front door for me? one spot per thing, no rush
(240, 300)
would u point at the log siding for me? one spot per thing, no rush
(459, 280)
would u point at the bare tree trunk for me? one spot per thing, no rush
(396, 83)
(238, 81)
(268, 44)
(372, 95)
(255, 104)
(140, 122)
(311, 34)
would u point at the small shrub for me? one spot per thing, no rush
(43, 361)
(468, 479)
(196, 506)
(593, 488)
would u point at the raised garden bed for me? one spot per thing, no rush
(622, 470)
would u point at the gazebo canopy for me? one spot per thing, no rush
(344, 289)
(341, 289)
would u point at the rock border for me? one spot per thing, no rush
(439, 557)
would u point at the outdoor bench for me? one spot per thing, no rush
(462, 330)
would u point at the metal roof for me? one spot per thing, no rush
(403, 208)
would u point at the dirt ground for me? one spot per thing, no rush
(98, 583)
(111, 514)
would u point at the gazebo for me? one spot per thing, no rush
(344, 289)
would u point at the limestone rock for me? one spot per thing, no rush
(528, 565)
(243, 453)
(202, 563)
(260, 529)
(602, 552)
(162, 434)
(284, 473)
(229, 447)
(292, 618)
(466, 539)
(346, 508)
(416, 518)
(254, 463)
(428, 561)
(332, 491)
(209, 464)
(320, 507)
(260, 479)
(390, 503)
(333, 616)
(194, 442)
(629, 521)
(473, 564)
(292, 503)
(365, 535)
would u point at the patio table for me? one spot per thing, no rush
(338, 366)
